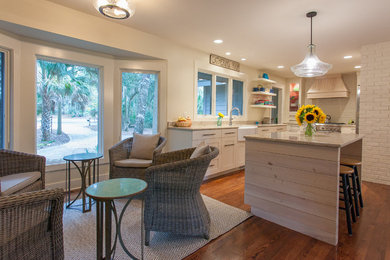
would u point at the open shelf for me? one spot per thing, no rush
(263, 106)
(265, 81)
(263, 93)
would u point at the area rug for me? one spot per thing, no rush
(80, 232)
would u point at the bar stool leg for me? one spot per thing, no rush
(355, 194)
(358, 185)
(350, 200)
(346, 202)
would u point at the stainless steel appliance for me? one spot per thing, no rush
(329, 127)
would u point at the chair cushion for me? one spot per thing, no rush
(143, 146)
(15, 182)
(200, 150)
(133, 163)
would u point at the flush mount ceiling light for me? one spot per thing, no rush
(311, 66)
(116, 9)
(218, 41)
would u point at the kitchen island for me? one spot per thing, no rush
(293, 180)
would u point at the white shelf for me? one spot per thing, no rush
(263, 106)
(263, 93)
(265, 81)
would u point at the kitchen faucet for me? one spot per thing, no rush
(231, 114)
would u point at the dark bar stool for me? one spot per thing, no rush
(345, 172)
(357, 191)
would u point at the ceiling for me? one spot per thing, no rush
(267, 33)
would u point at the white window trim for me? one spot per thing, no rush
(230, 78)
(8, 123)
(60, 166)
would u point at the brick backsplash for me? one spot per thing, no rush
(374, 117)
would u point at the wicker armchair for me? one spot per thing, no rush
(173, 202)
(12, 162)
(31, 225)
(121, 151)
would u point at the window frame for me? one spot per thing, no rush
(157, 73)
(230, 78)
(8, 123)
(100, 137)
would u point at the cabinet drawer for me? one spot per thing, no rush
(229, 133)
(264, 129)
(206, 134)
(281, 128)
(213, 167)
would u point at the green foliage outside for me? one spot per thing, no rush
(65, 89)
(139, 101)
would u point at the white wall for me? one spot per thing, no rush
(178, 68)
(375, 112)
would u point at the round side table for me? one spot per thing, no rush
(104, 193)
(88, 162)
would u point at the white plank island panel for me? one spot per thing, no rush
(293, 180)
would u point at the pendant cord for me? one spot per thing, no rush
(311, 30)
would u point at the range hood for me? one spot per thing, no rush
(331, 86)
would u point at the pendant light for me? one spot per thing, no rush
(116, 9)
(311, 66)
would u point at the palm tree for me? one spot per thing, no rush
(48, 84)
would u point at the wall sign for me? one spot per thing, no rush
(224, 63)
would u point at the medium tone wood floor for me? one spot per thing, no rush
(257, 238)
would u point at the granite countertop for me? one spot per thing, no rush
(204, 127)
(214, 127)
(320, 139)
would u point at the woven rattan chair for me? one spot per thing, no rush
(12, 162)
(121, 151)
(173, 202)
(31, 225)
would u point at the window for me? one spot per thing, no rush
(139, 103)
(204, 93)
(238, 96)
(2, 102)
(67, 109)
(294, 97)
(4, 99)
(221, 96)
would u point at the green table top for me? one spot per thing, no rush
(83, 156)
(116, 188)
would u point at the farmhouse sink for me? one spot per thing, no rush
(244, 130)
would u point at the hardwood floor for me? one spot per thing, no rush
(257, 238)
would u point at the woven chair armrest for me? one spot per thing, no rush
(160, 146)
(12, 162)
(17, 200)
(22, 213)
(174, 156)
(183, 174)
(120, 151)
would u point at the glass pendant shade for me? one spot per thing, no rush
(116, 9)
(311, 66)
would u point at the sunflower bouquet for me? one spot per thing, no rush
(310, 114)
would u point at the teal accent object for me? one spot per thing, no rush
(265, 76)
(116, 188)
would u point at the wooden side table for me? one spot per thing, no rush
(88, 161)
(104, 193)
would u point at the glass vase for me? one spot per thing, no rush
(219, 121)
(309, 130)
